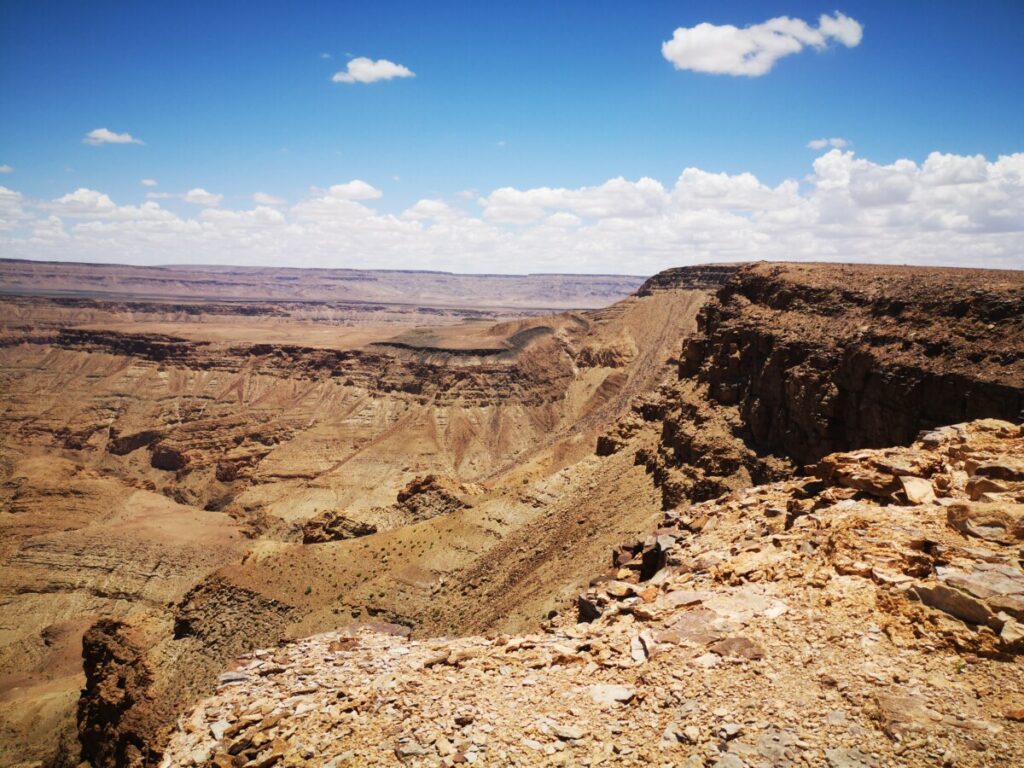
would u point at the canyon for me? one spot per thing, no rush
(232, 495)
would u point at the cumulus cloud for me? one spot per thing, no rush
(753, 50)
(262, 198)
(947, 209)
(835, 143)
(616, 198)
(84, 201)
(364, 70)
(93, 206)
(354, 190)
(6, 169)
(149, 182)
(941, 170)
(99, 136)
(200, 196)
(437, 210)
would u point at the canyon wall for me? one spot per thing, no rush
(825, 358)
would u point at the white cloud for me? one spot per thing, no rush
(91, 205)
(437, 210)
(6, 169)
(835, 143)
(753, 50)
(99, 136)
(85, 201)
(948, 209)
(326, 56)
(262, 198)
(364, 70)
(616, 198)
(354, 190)
(200, 196)
(847, 31)
(160, 195)
(941, 170)
(149, 182)
(12, 210)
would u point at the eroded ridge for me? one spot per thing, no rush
(869, 615)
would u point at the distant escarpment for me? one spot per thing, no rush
(700, 277)
(828, 358)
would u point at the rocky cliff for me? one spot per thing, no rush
(820, 358)
(868, 616)
(793, 361)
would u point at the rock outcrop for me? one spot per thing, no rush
(117, 676)
(828, 358)
(846, 619)
(429, 496)
(334, 526)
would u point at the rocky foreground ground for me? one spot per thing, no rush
(870, 615)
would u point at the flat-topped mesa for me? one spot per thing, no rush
(700, 277)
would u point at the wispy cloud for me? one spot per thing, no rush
(149, 182)
(835, 143)
(364, 70)
(6, 169)
(262, 198)
(98, 136)
(753, 50)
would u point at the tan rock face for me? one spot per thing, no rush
(334, 526)
(868, 630)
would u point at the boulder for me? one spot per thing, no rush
(999, 523)
(334, 526)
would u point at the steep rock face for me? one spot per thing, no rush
(823, 358)
(117, 677)
(429, 496)
(334, 526)
(703, 277)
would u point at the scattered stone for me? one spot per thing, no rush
(730, 731)
(843, 757)
(739, 647)
(568, 732)
(612, 694)
(917, 490)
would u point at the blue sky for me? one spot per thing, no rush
(235, 98)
